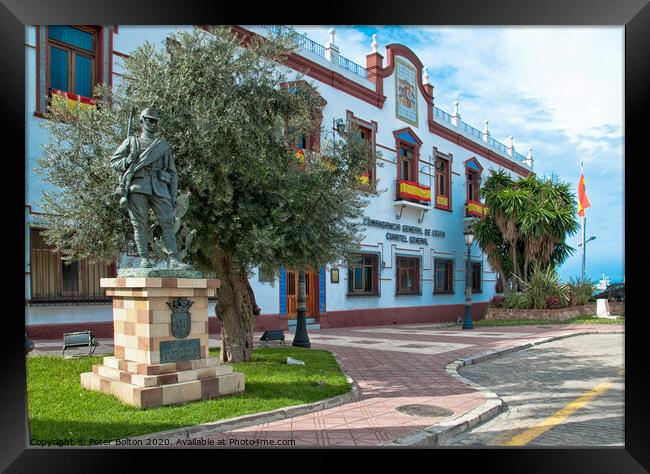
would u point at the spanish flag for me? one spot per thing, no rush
(583, 201)
(71, 100)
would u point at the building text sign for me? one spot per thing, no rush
(408, 229)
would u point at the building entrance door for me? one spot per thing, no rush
(311, 286)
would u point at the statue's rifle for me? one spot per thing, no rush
(129, 172)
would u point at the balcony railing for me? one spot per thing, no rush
(318, 49)
(475, 209)
(413, 192)
(353, 67)
(301, 40)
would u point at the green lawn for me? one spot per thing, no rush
(60, 409)
(525, 322)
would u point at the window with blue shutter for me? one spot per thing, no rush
(72, 58)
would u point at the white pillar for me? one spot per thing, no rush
(455, 117)
(425, 76)
(511, 145)
(529, 158)
(374, 44)
(486, 131)
(331, 50)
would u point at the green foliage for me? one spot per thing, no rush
(580, 291)
(536, 322)
(527, 224)
(232, 129)
(516, 300)
(544, 283)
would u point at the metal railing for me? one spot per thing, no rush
(353, 67)
(470, 130)
(305, 43)
(301, 40)
(441, 114)
(475, 132)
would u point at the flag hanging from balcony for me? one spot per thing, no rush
(72, 101)
(583, 201)
(412, 190)
(364, 178)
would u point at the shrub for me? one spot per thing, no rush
(497, 301)
(516, 301)
(543, 283)
(552, 302)
(580, 291)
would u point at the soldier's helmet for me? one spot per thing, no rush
(149, 112)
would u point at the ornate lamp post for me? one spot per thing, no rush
(469, 239)
(301, 339)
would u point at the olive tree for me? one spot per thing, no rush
(232, 128)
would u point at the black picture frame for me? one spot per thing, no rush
(634, 15)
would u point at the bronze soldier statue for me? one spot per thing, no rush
(149, 179)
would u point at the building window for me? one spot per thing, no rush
(408, 276)
(54, 280)
(473, 185)
(406, 163)
(265, 276)
(443, 277)
(363, 275)
(476, 277)
(72, 52)
(443, 183)
(367, 179)
(367, 133)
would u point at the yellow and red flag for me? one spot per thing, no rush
(583, 201)
(71, 100)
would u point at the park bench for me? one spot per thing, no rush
(79, 339)
(273, 335)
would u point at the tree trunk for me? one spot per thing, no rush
(507, 289)
(237, 311)
(513, 255)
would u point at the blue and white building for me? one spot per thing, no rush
(423, 187)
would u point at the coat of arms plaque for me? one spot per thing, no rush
(181, 319)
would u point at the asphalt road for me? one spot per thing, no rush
(564, 393)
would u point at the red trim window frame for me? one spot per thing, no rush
(370, 131)
(412, 167)
(364, 260)
(405, 265)
(473, 181)
(437, 264)
(96, 65)
(443, 179)
(312, 141)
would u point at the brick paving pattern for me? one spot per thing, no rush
(392, 366)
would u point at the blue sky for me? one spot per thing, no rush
(557, 90)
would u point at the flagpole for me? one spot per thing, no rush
(584, 231)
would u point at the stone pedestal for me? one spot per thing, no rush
(161, 351)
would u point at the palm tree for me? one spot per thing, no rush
(527, 224)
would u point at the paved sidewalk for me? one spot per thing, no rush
(393, 366)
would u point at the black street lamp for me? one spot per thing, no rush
(301, 339)
(584, 253)
(469, 239)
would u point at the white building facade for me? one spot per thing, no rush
(423, 186)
